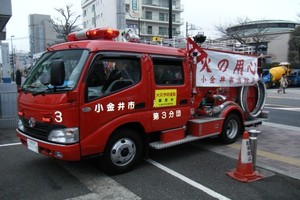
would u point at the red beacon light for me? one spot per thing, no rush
(94, 34)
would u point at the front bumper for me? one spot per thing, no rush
(70, 152)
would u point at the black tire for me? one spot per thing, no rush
(123, 152)
(232, 128)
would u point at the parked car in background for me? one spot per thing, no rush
(294, 78)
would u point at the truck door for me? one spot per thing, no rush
(170, 92)
(113, 91)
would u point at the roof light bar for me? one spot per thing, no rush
(94, 34)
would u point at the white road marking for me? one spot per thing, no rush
(281, 107)
(11, 144)
(187, 180)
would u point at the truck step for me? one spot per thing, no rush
(188, 138)
(254, 122)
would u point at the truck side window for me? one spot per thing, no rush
(109, 75)
(168, 72)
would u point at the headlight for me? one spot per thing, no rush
(65, 136)
(20, 125)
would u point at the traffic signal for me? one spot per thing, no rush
(11, 59)
(199, 38)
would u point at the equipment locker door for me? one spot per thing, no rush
(170, 93)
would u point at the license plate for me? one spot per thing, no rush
(32, 145)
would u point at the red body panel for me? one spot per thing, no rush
(205, 126)
(172, 135)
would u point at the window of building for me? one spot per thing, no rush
(127, 8)
(163, 31)
(175, 32)
(164, 3)
(84, 12)
(149, 30)
(163, 16)
(148, 15)
(148, 2)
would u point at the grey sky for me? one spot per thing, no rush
(204, 14)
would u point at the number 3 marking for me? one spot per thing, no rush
(58, 116)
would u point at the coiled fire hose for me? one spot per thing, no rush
(261, 99)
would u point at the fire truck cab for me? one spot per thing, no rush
(97, 96)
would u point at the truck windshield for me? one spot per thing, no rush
(38, 82)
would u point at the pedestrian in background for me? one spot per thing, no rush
(283, 84)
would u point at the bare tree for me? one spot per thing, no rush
(67, 24)
(239, 31)
(294, 47)
(235, 31)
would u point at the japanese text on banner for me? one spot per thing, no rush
(226, 69)
(218, 68)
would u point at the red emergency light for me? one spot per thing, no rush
(94, 34)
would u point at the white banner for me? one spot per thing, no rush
(226, 69)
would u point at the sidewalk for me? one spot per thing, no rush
(278, 147)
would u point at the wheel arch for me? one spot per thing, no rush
(234, 110)
(136, 127)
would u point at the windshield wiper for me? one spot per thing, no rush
(42, 92)
(29, 88)
(54, 89)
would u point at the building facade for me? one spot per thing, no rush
(275, 36)
(41, 33)
(5, 14)
(149, 18)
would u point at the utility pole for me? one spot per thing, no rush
(186, 29)
(12, 58)
(170, 19)
(190, 27)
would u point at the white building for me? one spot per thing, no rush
(275, 36)
(150, 18)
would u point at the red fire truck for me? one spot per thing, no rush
(95, 96)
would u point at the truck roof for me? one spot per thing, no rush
(108, 45)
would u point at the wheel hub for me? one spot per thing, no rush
(123, 152)
(232, 129)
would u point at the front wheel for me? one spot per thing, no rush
(123, 152)
(232, 127)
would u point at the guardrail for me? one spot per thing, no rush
(8, 105)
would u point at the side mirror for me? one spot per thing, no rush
(18, 77)
(57, 72)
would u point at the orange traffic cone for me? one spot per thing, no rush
(244, 171)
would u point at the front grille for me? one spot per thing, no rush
(41, 130)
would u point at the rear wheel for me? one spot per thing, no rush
(232, 128)
(123, 152)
